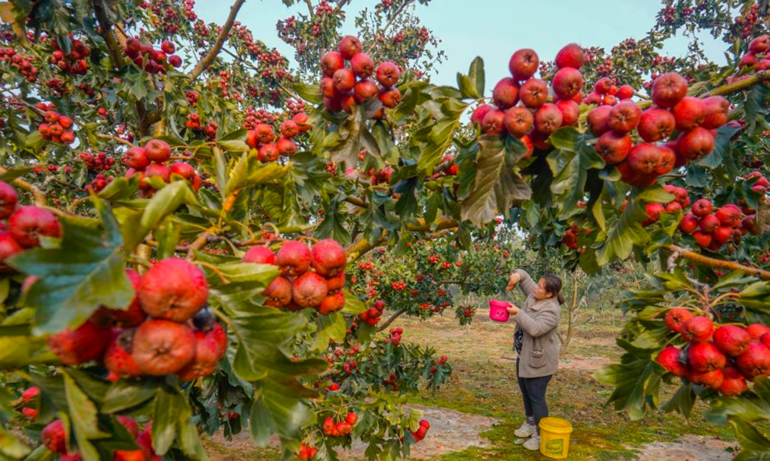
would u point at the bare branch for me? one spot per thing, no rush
(204, 63)
(392, 318)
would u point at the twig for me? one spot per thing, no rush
(392, 318)
(718, 263)
(39, 195)
(204, 63)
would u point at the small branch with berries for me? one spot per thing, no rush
(717, 263)
(204, 63)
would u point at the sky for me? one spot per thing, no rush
(492, 29)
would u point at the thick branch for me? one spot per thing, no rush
(760, 77)
(106, 32)
(204, 63)
(718, 263)
(392, 318)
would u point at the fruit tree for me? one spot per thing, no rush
(190, 227)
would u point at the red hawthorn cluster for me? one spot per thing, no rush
(607, 94)
(298, 286)
(194, 124)
(98, 162)
(56, 127)
(150, 59)
(99, 183)
(54, 438)
(73, 62)
(748, 21)
(256, 116)
(395, 336)
(263, 135)
(24, 226)
(422, 431)
(339, 428)
(22, 63)
(344, 87)
(165, 17)
(149, 161)
(167, 328)
(519, 121)
(306, 452)
(29, 401)
(640, 165)
(757, 56)
(372, 315)
(722, 357)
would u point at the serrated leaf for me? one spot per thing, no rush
(163, 203)
(330, 327)
(86, 272)
(83, 418)
(310, 93)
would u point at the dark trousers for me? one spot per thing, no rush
(533, 392)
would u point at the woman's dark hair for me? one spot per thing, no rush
(553, 285)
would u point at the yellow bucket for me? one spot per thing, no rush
(554, 437)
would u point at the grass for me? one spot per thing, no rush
(484, 383)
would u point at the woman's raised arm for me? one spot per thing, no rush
(525, 282)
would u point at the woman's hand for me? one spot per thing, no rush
(512, 309)
(512, 281)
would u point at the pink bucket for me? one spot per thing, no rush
(497, 310)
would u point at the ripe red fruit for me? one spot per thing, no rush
(567, 82)
(167, 47)
(729, 216)
(344, 80)
(123, 318)
(702, 239)
(362, 65)
(494, 123)
(598, 120)
(717, 109)
(570, 112)
(689, 113)
(349, 47)
(286, 147)
(331, 62)
(156, 169)
(173, 289)
(704, 357)
(157, 151)
(570, 56)
(712, 379)
(548, 119)
(666, 163)
(118, 358)
(702, 208)
(278, 293)
(533, 93)
(162, 347)
(388, 74)
(603, 85)
(333, 302)
(65, 122)
(309, 290)
(506, 93)
(625, 92)
(656, 124)
(8, 200)
(30, 394)
(755, 361)
(669, 89)
(54, 437)
(128, 455)
(653, 211)
(130, 424)
(183, 169)
(676, 317)
(688, 224)
(480, 112)
(759, 45)
(698, 329)
(210, 346)
(8, 248)
(733, 384)
(695, 144)
(732, 340)
(390, 97)
(528, 144)
(523, 64)
(757, 330)
(668, 358)
(68, 137)
(259, 255)
(644, 158)
(293, 259)
(518, 121)
(301, 119)
(175, 60)
(613, 147)
(708, 223)
(365, 90)
(289, 129)
(673, 207)
(136, 158)
(87, 342)
(624, 117)
(268, 153)
(336, 283)
(328, 258)
(28, 223)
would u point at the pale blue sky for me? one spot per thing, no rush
(492, 29)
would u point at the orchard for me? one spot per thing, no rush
(197, 238)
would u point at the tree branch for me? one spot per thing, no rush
(392, 318)
(204, 63)
(718, 263)
(760, 77)
(39, 195)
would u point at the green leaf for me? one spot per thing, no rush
(330, 327)
(569, 163)
(163, 203)
(624, 233)
(123, 395)
(10, 446)
(234, 145)
(168, 406)
(83, 418)
(310, 93)
(120, 188)
(14, 173)
(636, 380)
(353, 305)
(439, 138)
(88, 271)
